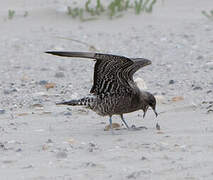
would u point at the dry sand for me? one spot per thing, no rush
(39, 141)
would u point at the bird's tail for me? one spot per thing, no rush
(72, 54)
(87, 101)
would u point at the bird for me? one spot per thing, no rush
(114, 91)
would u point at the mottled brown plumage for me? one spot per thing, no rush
(113, 92)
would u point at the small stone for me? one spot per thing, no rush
(8, 161)
(59, 75)
(137, 174)
(49, 86)
(89, 164)
(2, 111)
(70, 140)
(45, 147)
(209, 91)
(61, 155)
(27, 167)
(92, 147)
(171, 82)
(197, 88)
(210, 111)
(114, 126)
(19, 150)
(83, 111)
(210, 106)
(143, 158)
(44, 69)
(43, 82)
(49, 141)
(200, 57)
(37, 106)
(67, 113)
(7, 91)
(2, 146)
(22, 114)
(177, 98)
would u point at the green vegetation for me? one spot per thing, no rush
(26, 13)
(11, 14)
(208, 15)
(115, 8)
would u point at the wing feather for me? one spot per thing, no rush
(112, 73)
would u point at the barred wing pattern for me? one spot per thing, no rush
(112, 73)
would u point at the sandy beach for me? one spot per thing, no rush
(42, 141)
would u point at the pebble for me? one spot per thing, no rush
(210, 111)
(114, 126)
(92, 147)
(67, 114)
(209, 91)
(49, 85)
(59, 75)
(2, 146)
(199, 57)
(49, 141)
(45, 147)
(43, 82)
(143, 158)
(19, 150)
(177, 98)
(27, 167)
(2, 111)
(9, 91)
(209, 64)
(137, 174)
(171, 81)
(61, 155)
(197, 88)
(89, 164)
(71, 141)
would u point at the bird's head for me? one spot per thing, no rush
(148, 100)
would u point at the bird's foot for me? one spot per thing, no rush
(158, 127)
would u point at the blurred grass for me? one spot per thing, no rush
(11, 14)
(209, 14)
(116, 8)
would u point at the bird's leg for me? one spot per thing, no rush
(156, 114)
(110, 121)
(122, 118)
(144, 114)
(157, 125)
(110, 124)
(145, 110)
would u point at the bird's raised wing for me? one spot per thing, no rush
(112, 73)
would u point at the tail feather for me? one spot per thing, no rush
(73, 54)
(79, 102)
(71, 103)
